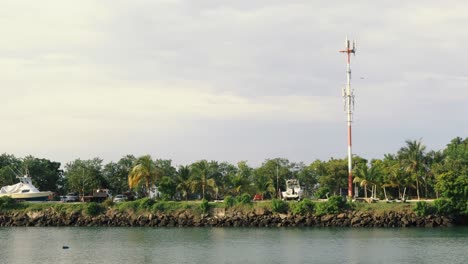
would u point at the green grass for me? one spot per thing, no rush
(57, 207)
(145, 206)
(381, 208)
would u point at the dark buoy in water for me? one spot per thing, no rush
(65, 247)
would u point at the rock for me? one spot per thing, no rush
(220, 217)
(326, 218)
(219, 212)
(283, 216)
(341, 216)
(355, 221)
(299, 219)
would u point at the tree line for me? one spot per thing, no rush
(411, 172)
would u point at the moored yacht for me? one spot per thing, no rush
(24, 190)
(293, 190)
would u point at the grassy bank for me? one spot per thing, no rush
(149, 206)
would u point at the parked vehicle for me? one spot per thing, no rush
(131, 196)
(98, 196)
(70, 198)
(120, 198)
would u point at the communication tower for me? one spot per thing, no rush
(348, 97)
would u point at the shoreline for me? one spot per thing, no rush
(220, 217)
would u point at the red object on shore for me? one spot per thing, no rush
(258, 197)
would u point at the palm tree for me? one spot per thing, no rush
(362, 176)
(225, 175)
(239, 182)
(367, 176)
(391, 169)
(216, 177)
(264, 185)
(183, 180)
(413, 160)
(201, 177)
(145, 170)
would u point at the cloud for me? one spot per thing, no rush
(108, 77)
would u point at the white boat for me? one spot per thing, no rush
(293, 190)
(24, 190)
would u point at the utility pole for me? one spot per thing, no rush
(277, 181)
(348, 97)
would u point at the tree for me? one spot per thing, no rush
(335, 175)
(45, 174)
(365, 175)
(83, 176)
(166, 168)
(277, 170)
(239, 180)
(201, 177)
(413, 160)
(144, 170)
(307, 177)
(452, 175)
(9, 169)
(455, 188)
(224, 177)
(433, 160)
(183, 181)
(167, 187)
(263, 184)
(116, 174)
(217, 175)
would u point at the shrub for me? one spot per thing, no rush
(168, 206)
(108, 203)
(423, 208)
(444, 207)
(454, 186)
(279, 206)
(229, 201)
(334, 205)
(244, 199)
(128, 206)
(6, 203)
(160, 206)
(184, 205)
(322, 193)
(303, 207)
(145, 203)
(94, 209)
(204, 206)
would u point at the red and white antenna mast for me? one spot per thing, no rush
(348, 97)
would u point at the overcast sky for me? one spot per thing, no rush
(229, 80)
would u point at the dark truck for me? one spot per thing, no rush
(98, 196)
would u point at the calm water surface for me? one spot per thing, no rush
(222, 245)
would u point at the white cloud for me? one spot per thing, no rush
(84, 76)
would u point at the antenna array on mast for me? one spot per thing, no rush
(348, 97)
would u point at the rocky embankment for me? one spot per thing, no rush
(222, 218)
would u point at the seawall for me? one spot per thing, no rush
(219, 217)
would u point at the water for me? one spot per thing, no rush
(232, 245)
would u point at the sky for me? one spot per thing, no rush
(229, 80)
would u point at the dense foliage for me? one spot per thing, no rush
(412, 172)
(7, 203)
(93, 209)
(334, 205)
(303, 207)
(279, 206)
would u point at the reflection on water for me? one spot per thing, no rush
(232, 245)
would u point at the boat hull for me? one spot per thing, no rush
(37, 196)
